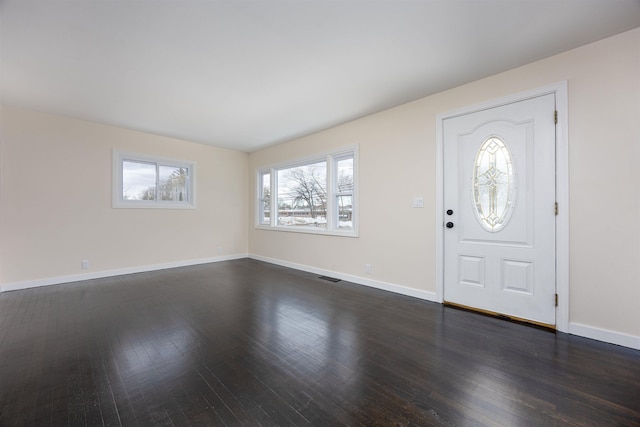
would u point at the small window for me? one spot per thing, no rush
(150, 182)
(316, 195)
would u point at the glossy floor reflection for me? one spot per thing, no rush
(248, 343)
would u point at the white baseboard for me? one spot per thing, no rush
(110, 273)
(612, 337)
(605, 335)
(398, 289)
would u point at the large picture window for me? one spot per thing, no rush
(151, 182)
(315, 195)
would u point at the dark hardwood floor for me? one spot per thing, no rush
(248, 343)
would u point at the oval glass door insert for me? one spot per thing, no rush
(493, 184)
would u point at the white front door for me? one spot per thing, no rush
(499, 201)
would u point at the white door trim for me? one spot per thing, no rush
(562, 191)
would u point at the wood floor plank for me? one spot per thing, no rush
(249, 343)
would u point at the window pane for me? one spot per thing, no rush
(344, 168)
(173, 183)
(138, 180)
(266, 198)
(302, 196)
(345, 212)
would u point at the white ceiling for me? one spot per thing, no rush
(247, 74)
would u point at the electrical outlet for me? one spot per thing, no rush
(219, 250)
(367, 268)
(84, 264)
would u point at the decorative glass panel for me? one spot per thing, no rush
(493, 184)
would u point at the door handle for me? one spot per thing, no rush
(449, 225)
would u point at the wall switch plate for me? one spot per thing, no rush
(418, 202)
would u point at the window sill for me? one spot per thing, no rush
(308, 230)
(151, 205)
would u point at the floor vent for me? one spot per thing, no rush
(330, 279)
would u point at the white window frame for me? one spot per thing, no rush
(331, 158)
(117, 197)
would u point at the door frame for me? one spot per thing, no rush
(562, 190)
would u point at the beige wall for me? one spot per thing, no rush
(56, 209)
(397, 161)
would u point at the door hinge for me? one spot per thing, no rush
(556, 208)
(556, 300)
(555, 117)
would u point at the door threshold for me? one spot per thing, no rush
(509, 318)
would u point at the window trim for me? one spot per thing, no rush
(117, 173)
(331, 158)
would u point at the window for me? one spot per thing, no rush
(316, 195)
(150, 182)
